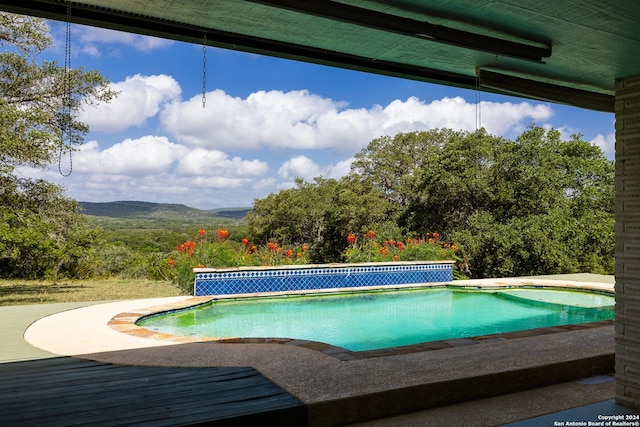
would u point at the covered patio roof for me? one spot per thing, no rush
(569, 51)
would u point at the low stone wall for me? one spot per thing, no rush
(249, 280)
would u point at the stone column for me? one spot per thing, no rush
(627, 229)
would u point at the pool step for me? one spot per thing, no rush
(430, 395)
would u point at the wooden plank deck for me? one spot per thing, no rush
(66, 391)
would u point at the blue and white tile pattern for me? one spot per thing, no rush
(231, 282)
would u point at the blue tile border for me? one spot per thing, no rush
(248, 280)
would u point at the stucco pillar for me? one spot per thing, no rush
(627, 182)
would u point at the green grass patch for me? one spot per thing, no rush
(23, 292)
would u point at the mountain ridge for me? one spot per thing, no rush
(137, 209)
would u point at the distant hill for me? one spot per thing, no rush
(131, 209)
(235, 213)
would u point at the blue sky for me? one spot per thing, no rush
(266, 120)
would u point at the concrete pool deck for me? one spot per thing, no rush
(338, 392)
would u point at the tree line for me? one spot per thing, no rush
(533, 205)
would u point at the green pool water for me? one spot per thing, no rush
(374, 320)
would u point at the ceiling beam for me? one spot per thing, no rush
(410, 27)
(546, 91)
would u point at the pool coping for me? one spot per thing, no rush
(126, 322)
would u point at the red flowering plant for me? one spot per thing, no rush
(224, 252)
(222, 234)
(362, 250)
(429, 247)
(274, 254)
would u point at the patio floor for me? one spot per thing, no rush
(333, 391)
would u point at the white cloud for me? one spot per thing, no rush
(340, 169)
(607, 143)
(498, 118)
(151, 156)
(140, 98)
(152, 168)
(274, 119)
(133, 157)
(264, 185)
(91, 38)
(304, 167)
(300, 120)
(215, 163)
(509, 119)
(217, 182)
(299, 166)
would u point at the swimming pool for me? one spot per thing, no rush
(363, 321)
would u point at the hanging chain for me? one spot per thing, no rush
(478, 106)
(204, 70)
(66, 110)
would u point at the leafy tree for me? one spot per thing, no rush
(39, 100)
(41, 231)
(392, 164)
(453, 183)
(319, 213)
(536, 205)
(292, 215)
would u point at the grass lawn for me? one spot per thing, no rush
(22, 292)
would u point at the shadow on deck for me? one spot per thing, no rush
(69, 391)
